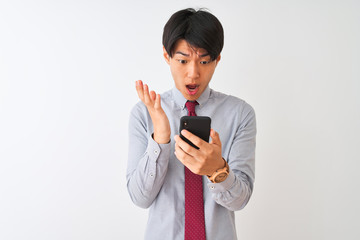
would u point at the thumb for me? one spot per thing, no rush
(215, 138)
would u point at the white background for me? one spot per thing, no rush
(67, 77)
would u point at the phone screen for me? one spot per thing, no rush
(197, 125)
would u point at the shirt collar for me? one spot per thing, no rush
(180, 100)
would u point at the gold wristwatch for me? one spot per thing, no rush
(220, 175)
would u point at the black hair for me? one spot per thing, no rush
(199, 28)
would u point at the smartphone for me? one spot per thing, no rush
(197, 125)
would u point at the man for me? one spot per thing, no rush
(162, 167)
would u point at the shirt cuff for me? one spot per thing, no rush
(154, 149)
(223, 186)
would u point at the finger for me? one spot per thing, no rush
(152, 95)
(193, 138)
(215, 137)
(187, 147)
(177, 138)
(183, 157)
(181, 144)
(146, 94)
(157, 104)
(139, 89)
(180, 154)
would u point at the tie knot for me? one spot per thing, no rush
(191, 107)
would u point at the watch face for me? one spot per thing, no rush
(221, 177)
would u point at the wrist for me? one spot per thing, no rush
(220, 174)
(161, 139)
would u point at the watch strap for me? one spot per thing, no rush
(221, 171)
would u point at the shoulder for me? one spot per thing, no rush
(235, 108)
(232, 102)
(139, 115)
(138, 109)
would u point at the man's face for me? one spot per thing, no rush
(191, 68)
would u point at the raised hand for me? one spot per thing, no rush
(160, 121)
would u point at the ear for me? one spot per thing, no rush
(166, 55)
(218, 59)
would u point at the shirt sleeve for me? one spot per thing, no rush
(147, 160)
(235, 192)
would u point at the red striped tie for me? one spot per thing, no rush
(194, 202)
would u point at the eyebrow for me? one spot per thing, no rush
(181, 53)
(187, 55)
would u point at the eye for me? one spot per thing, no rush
(204, 62)
(182, 61)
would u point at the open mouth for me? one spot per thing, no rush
(192, 88)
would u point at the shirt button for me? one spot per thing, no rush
(212, 187)
(151, 175)
(156, 152)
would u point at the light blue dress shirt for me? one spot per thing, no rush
(155, 177)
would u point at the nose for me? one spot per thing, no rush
(193, 71)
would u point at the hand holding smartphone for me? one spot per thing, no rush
(197, 125)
